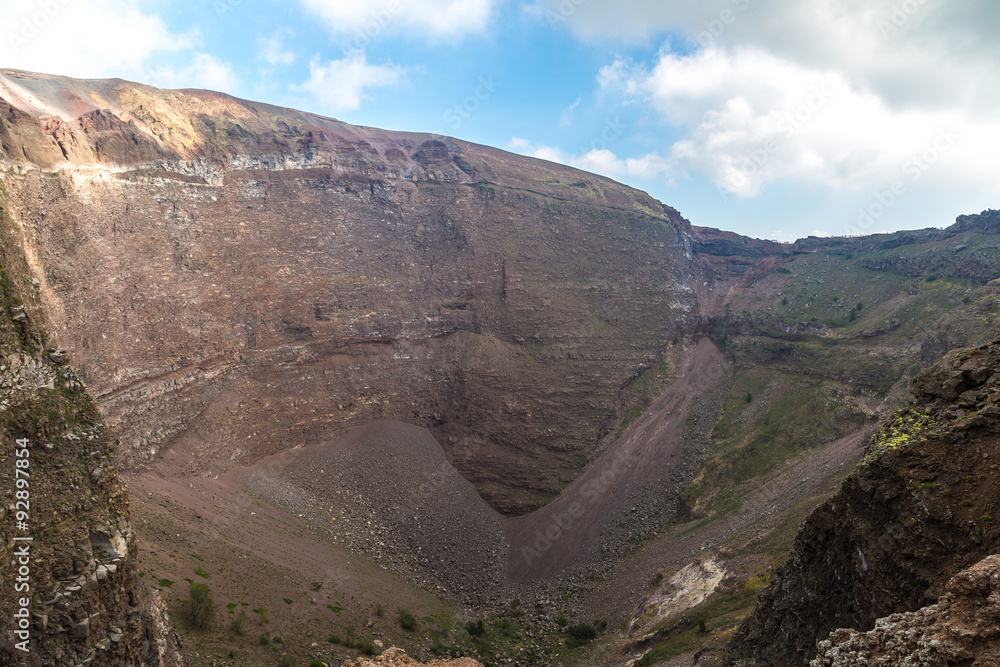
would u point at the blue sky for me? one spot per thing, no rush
(772, 118)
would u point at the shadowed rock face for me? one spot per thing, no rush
(919, 509)
(236, 279)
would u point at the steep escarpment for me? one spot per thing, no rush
(249, 288)
(70, 593)
(279, 278)
(920, 508)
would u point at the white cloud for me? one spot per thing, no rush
(339, 85)
(84, 38)
(752, 118)
(367, 20)
(823, 234)
(206, 71)
(598, 161)
(271, 48)
(927, 52)
(567, 116)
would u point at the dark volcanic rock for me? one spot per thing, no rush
(963, 628)
(919, 509)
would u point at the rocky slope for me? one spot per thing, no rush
(919, 509)
(245, 265)
(70, 594)
(962, 628)
(242, 285)
(395, 656)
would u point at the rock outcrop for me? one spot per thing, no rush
(396, 657)
(963, 628)
(921, 507)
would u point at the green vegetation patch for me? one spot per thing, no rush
(906, 427)
(721, 614)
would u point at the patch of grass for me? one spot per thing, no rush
(288, 600)
(202, 573)
(164, 583)
(336, 610)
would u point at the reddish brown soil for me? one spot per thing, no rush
(254, 553)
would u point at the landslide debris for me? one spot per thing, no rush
(920, 508)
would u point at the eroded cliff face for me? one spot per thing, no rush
(920, 508)
(70, 593)
(237, 279)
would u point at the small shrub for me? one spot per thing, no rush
(966, 299)
(580, 633)
(239, 623)
(406, 620)
(561, 621)
(317, 663)
(749, 397)
(287, 600)
(262, 613)
(202, 607)
(859, 307)
(784, 301)
(852, 316)
(366, 646)
(931, 277)
(286, 661)
(202, 573)
(317, 585)
(475, 628)
(165, 583)
(379, 610)
(334, 638)
(265, 638)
